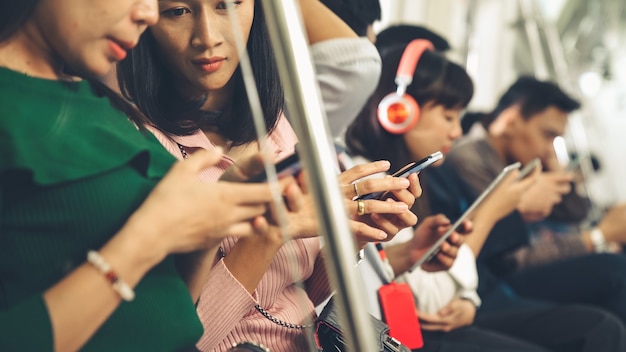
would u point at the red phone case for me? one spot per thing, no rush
(398, 308)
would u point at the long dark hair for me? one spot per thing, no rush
(145, 80)
(436, 81)
(18, 12)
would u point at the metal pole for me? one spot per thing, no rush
(305, 109)
(534, 39)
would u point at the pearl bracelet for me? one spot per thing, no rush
(94, 258)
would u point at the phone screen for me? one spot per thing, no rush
(406, 171)
(289, 166)
(434, 249)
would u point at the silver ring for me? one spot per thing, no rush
(360, 207)
(356, 189)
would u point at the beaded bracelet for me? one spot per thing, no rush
(94, 258)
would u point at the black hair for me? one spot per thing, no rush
(404, 34)
(358, 14)
(436, 80)
(532, 96)
(470, 118)
(13, 18)
(145, 80)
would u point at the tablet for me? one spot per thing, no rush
(435, 248)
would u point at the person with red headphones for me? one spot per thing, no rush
(415, 111)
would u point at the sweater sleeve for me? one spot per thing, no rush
(223, 303)
(546, 251)
(26, 327)
(318, 285)
(348, 70)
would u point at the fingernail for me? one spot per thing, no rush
(402, 207)
(384, 163)
(382, 235)
(404, 182)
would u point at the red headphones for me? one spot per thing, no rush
(398, 112)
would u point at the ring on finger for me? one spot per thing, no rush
(360, 207)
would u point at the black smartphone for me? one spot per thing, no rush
(290, 166)
(406, 171)
(434, 249)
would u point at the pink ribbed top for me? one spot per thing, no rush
(226, 309)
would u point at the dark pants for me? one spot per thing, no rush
(596, 279)
(572, 328)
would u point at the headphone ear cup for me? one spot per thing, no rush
(398, 114)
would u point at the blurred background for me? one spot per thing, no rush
(579, 43)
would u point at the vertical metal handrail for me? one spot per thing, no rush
(305, 109)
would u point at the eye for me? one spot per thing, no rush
(222, 5)
(176, 12)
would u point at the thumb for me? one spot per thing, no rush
(203, 159)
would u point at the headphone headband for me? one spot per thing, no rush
(408, 63)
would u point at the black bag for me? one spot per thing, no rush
(328, 336)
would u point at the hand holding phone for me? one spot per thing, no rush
(406, 171)
(290, 166)
(529, 168)
(434, 249)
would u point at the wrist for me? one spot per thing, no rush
(598, 241)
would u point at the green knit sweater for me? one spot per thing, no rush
(72, 170)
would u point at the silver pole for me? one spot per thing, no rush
(305, 109)
(534, 39)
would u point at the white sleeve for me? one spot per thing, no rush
(347, 70)
(434, 291)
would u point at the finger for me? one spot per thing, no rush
(404, 196)
(415, 188)
(381, 184)
(244, 193)
(377, 206)
(432, 327)
(244, 168)
(402, 220)
(247, 212)
(201, 160)
(445, 260)
(364, 232)
(362, 170)
(241, 229)
(294, 198)
(429, 318)
(385, 225)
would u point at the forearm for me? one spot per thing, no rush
(321, 23)
(80, 303)
(194, 268)
(482, 223)
(400, 258)
(250, 258)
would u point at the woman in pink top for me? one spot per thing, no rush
(185, 76)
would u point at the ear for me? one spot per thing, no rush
(504, 121)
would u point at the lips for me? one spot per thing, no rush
(209, 65)
(119, 48)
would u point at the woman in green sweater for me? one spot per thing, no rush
(92, 211)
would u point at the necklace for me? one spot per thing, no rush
(183, 152)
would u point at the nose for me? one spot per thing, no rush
(146, 12)
(206, 33)
(456, 130)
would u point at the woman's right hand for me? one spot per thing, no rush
(183, 214)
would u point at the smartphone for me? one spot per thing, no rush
(290, 166)
(434, 249)
(406, 171)
(573, 164)
(529, 168)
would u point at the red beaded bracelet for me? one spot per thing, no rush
(94, 258)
